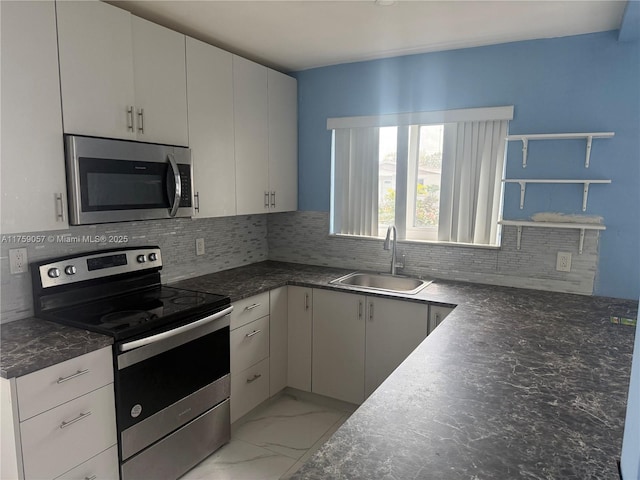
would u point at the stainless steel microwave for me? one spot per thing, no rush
(118, 180)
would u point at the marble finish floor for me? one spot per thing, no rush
(275, 439)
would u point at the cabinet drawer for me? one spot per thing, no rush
(249, 344)
(249, 388)
(249, 309)
(103, 466)
(56, 441)
(39, 391)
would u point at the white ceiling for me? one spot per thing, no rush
(297, 35)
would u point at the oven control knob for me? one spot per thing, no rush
(70, 270)
(54, 272)
(153, 257)
(141, 258)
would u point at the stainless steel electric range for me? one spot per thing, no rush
(171, 353)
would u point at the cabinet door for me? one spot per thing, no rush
(96, 69)
(32, 170)
(278, 354)
(251, 136)
(338, 345)
(437, 314)
(210, 106)
(394, 329)
(283, 142)
(299, 332)
(160, 83)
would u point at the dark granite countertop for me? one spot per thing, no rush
(32, 344)
(514, 384)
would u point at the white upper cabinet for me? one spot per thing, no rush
(96, 69)
(211, 136)
(32, 159)
(160, 83)
(121, 76)
(251, 136)
(283, 142)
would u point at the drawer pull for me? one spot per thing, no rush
(251, 307)
(254, 378)
(255, 332)
(72, 376)
(77, 419)
(92, 477)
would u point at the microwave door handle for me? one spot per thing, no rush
(178, 185)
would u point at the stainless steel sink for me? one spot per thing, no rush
(382, 282)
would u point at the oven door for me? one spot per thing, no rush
(114, 180)
(170, 379)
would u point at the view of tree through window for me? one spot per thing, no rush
(429, 169)
(388, 153)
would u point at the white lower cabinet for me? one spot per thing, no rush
(249, 388)
(394, 329)
(338, 345)
(60, 421)
(437, 314)
(278, 341)
(299, 333)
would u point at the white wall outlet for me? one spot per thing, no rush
(199, 246)
(18, 260)
(563, 262)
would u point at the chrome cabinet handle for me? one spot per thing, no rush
(371, 311)
(266, 199)
(130, 118)
(178, 185)
(251, 307)
(65, 424)
(72, 376)
(255, 332)
(360, 309)
(254, 378)
(92, 477)
(141, 120)
(273, 199)
(197, 197)
(306, 301)
(59, 208)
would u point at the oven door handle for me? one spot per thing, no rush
(176, 331)
(177, 183)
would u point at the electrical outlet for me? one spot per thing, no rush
(18, 260)
(563, 262)
(199, 246)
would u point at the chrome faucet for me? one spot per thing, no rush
(391, 245)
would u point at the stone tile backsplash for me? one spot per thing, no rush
(229, 242)
(302, 237)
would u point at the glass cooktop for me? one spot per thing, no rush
(144, 311)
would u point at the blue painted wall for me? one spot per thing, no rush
(572, 84)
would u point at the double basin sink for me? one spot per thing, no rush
(382, 282)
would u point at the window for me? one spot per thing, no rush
(434, 175)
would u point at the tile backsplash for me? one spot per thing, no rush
(229, 242)
(302, 237)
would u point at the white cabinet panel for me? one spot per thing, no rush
(51, 386)
(32, 170)
(283, 142)
(249, 344)
(211, 135)
(249, 389)
(338, 345)
(251, 136)
(278, 351)
(103, 466)
(96, 69)
(59, 439)
(160, 83)
(394, 329)
(437, 314)
(300, 315)
(249, 309)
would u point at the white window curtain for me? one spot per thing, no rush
(472, 167)
(355, 170)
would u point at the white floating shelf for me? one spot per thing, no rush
(558, 136)
(576, 226)
(585, 191)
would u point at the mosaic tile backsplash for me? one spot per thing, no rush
(301, 237)
(229, 242)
